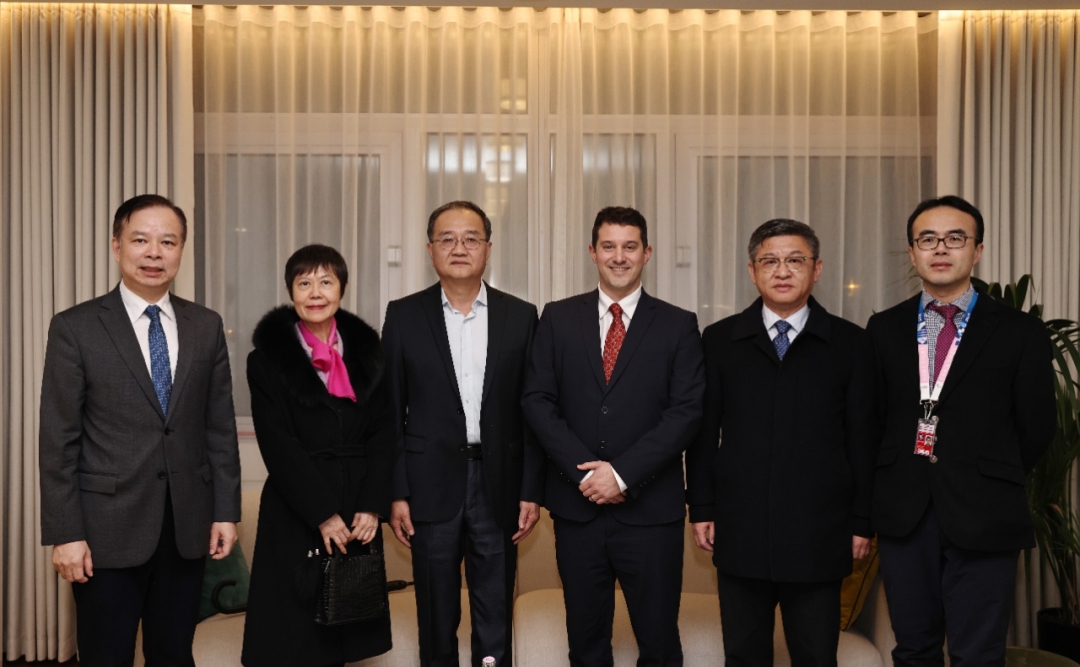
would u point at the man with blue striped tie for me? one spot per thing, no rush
(140, 471)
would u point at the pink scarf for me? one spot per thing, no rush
(326, 359)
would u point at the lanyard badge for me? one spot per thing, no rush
(926, 433)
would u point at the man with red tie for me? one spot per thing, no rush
(966, 399)
(614, 393)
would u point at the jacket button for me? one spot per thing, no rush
(168, 431)
(604, 409)
(933, 458)
(161, 474)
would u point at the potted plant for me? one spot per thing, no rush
(1050, 483)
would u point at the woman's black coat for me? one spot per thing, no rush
(324, 455)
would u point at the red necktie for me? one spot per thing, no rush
(616, 333)
(946, 337)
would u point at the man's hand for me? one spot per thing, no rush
(364, 525)
(401, 521)
(601, 487)
(334, 531)
(704, 535)
(72, 560)
(527, 518)
(860, 546)
(222, 538)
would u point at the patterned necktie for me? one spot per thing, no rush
(160, 370)
(946, 337)
(616, 333)
(781, 342)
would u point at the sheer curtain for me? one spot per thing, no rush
(1009, 136)
(95, 107)
(1010, 142)
(348, 125)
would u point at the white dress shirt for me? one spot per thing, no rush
(338, 345)
(797, 321)
(628, 304)
(136, 310)
(468, 336)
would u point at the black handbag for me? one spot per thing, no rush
(351, 587)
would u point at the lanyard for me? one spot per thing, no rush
(928, 396)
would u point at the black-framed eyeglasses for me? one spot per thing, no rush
(448, 243)
(951, 241)
(794, 264)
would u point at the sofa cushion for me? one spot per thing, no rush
(540, 634)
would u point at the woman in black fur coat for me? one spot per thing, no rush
(325, 431)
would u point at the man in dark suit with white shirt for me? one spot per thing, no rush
(783, 502)
(140, 471)
(614, 394)
(468, 477)
(966, 399)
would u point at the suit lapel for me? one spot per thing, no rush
(185, 336)
(639, 325)
(751, 324)
(908, 357)
(590, 334)
(496, 324)
(984, 319)
(117, 324)
(433, 309)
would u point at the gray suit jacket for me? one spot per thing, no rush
(108, 454)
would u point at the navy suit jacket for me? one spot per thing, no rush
(640, 422)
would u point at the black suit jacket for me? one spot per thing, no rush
(640, 422)
(430, 468)
(791, 482)
(108, 454)
(997, 416)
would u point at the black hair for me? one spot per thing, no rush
(141, 202)
(620, 215)
(458, 205)
(312, 257)
(952, 201)
(784, 227)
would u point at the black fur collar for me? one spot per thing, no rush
(275, 337)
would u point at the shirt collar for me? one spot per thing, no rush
(629, 302)
(962, 303)
(480, 300)
(797, 320)
(136, 305)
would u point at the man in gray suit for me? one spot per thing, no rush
(140, 471)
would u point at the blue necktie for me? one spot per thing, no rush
(781, 341)
(160, 370)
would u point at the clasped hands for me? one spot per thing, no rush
(600, 485)
(335, 532)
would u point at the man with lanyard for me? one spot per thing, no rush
(959, 435)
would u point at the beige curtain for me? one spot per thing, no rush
(1009, 141)
(95, 107)
(347, 125)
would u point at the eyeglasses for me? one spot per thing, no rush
(794, 264)
(951, 241)
(448, 243)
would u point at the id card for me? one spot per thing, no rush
(925, 436)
